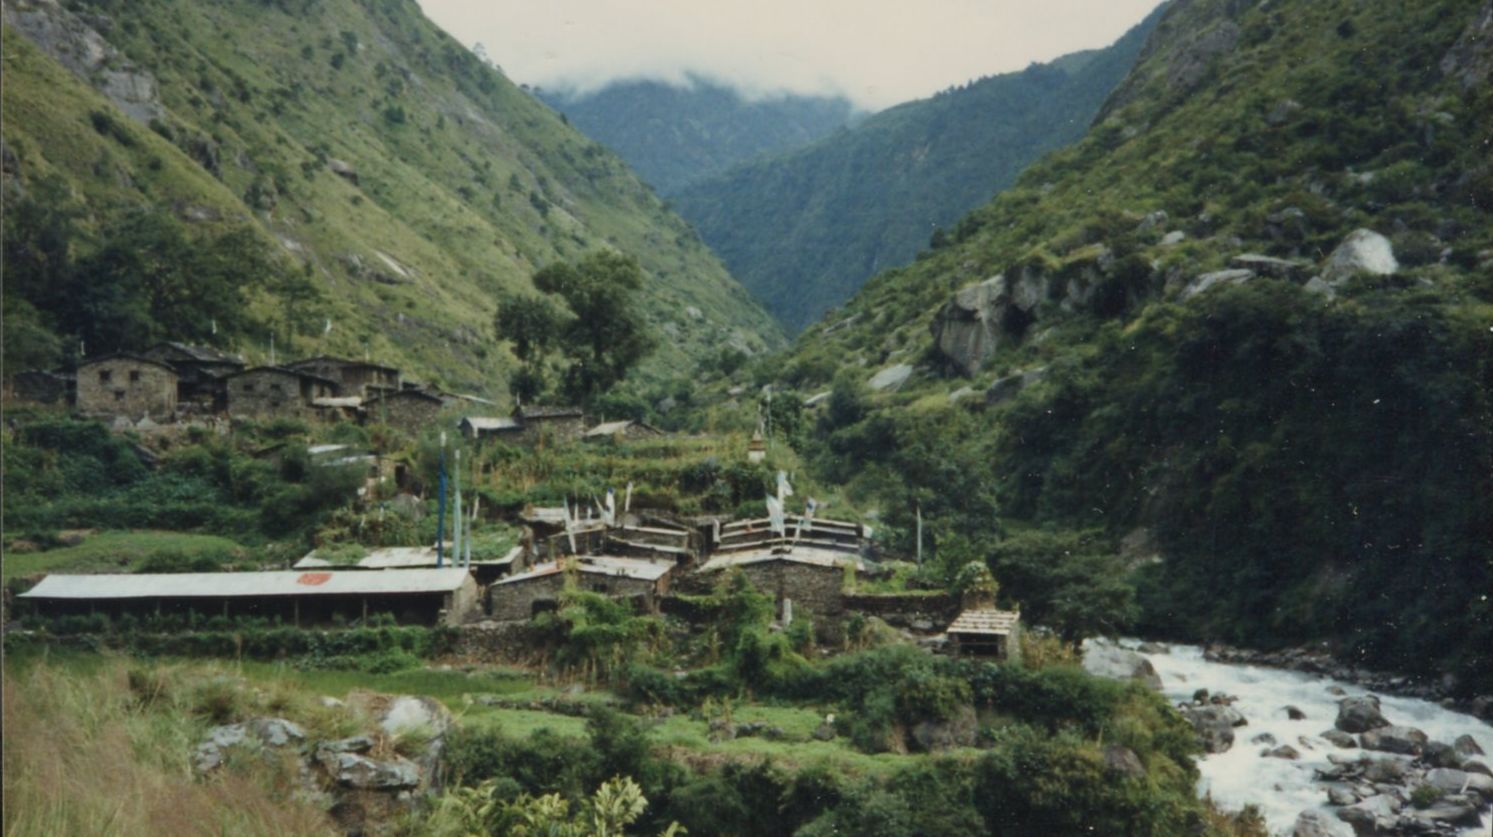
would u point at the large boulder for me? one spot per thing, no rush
(267, 732)
(1359, 714)
(1467, 745)
(1363, 251)
(961, 730)
(892, 377)
(1407, 741)
(1214, 725)
(352, 770)
(1318, 824)
(1119, 664)
(1449, 780)
(1338, 738)
(967, 330)
(1375, 815)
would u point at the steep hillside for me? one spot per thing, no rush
(803, 231)
(1173, 339)
(402, 182)
(673, 135)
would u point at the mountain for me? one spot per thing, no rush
(341, 174)
(804, 230)
(675, 134)
(1241, 334)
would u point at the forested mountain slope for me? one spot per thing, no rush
(804, 230)
(340, 174)
(1242, 331)
(673, 135)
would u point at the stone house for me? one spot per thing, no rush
(519, 597)
(127, 385)
(409, 410)
(805, 581)
(550, 424)
(353, 377)
(622, 431)
(200, 372)
(266, 392)
(986, 632)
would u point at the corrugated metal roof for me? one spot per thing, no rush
(400, 558)
(606, 565)
(798, 555)
(220, 585)
(994, 622)
(492, 423)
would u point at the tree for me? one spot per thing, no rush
(599, 332)
(1067, 581)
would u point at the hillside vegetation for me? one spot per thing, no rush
(676, 134)
(354, 180)
(805, 229)
(1305, 447)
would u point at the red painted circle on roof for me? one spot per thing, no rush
(314, 579)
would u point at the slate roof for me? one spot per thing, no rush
(605, 565)
(985, 621)
(200, 354)
(492, 424)
(798, 555)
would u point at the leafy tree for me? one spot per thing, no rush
(531, 325)
(1067, 581)
(607, 335)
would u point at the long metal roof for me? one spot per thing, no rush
(237, 585)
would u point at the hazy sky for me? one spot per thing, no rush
(876, 52)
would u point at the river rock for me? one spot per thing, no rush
(1455, 811)
(1473, 766)
(1284, 751)
(1119, 664)
(1339, 738)
(1213, 725)
(1363, 251)
(1152, 647)
(1403, 740)
(1263, 738)
(1341, 795)
(1440, 754)
(1467, 746)
(1385, 771)
(1319, 824)
(1373, 815)
(1359, 714)
(1295, 714)
(1449, 780)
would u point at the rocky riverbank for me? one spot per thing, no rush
(1317, 661)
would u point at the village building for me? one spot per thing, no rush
(421, 557)
(200, 372)
(354, 377)
(409, 410)
(267, 392)
(622, 431)
(484, 428)
(519, 597)
(413, 597)
(986, 632)
(806, 582)
(42, 387)
(550, 425)
(127, 385)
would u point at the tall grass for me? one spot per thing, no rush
(106, 749)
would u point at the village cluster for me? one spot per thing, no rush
(641, 556)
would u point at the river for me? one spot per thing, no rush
(1280, 787)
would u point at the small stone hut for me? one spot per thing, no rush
(200, 372)
(981, 630)
(550, 424)
(409, 410)
(521, 596)
(483, 428)
(622, 431)
(127, 385)
(266, 392)
(805, 581)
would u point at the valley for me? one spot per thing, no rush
(1101, 448)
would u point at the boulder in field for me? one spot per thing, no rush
(1363, 251)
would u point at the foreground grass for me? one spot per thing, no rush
(118, 552)
(89, 751)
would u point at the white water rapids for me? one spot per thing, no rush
(1280, 787)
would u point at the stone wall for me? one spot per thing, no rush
(515, 601)
(558, 430)
(461, 602)
(408, 411)
(926, 612)
(273, 393)
(130, 387)
(816, 593)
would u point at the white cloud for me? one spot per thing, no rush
(876, 52)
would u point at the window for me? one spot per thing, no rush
(104, 375)
(118, 395)
(134, 376)
(247, 387)
(276, 388)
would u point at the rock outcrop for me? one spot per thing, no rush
(78, 46)
(1119, 664)
(1363, 251)
(1470, 59)
(967, 330)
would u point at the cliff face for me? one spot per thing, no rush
(366, 150)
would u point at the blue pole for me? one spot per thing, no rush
(440, 516)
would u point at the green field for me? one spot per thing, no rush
(119, 552)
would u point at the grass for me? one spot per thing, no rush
(116, 552)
